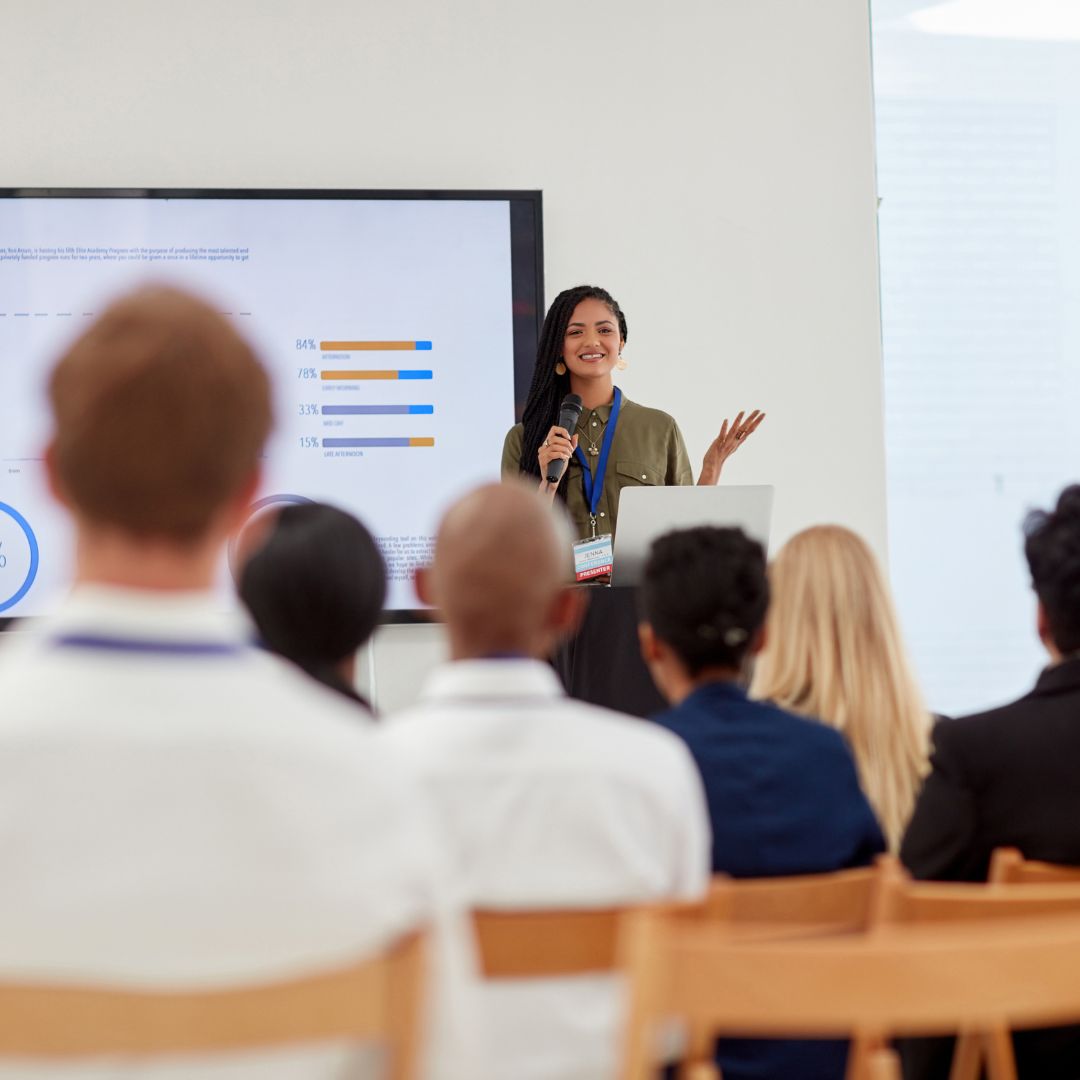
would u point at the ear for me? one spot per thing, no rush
(757, 641)
(651, 650)
(52, 477)
(567, 610)
(1042, 625)
(424, 585)
(239, 506)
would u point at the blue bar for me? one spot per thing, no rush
(332, 443)
(423, 346)
(414, 374)
(378, 410)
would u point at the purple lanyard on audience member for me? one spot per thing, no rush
(594, 485)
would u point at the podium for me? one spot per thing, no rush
(602, 663)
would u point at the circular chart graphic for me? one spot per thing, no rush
(254, 510)
(18, 556)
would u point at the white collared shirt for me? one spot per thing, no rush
(178, 808)
(549, 802)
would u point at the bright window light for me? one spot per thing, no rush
(1020, 20)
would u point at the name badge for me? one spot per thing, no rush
(593, 557)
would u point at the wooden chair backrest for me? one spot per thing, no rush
(1009, 867)
(545, 944)
(900, 900)
(377, 1000)
(832, 903)
(913, 980)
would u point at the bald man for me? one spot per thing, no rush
(547, 802)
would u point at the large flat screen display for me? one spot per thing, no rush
(399, 329)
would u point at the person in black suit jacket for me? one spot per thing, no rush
(1008, 777)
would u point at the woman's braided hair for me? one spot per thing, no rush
(549, 388)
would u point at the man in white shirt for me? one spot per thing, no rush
(546, 802)
(178, 808)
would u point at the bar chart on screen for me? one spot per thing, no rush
(362, 408)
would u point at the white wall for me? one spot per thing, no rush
(708, 161)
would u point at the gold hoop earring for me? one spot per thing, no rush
(560, 368)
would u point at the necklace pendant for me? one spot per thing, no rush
(593, 450)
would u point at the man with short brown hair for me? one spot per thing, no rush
(161, 413)
(176, 806)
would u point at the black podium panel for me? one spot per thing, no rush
(602, 664)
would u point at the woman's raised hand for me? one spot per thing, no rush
(557, 444)
(731, 437)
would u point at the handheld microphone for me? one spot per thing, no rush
(569, 415)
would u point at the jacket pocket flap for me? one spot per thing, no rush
(635, 470)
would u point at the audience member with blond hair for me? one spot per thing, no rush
(833, 650)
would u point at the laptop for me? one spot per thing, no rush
(646, 513)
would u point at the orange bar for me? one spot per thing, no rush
(353, 375)
(368, 346)
(421, 442)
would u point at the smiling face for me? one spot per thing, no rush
(592, 343)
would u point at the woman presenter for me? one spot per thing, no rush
(617, 443)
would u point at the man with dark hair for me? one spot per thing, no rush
(782, 791)
(178, 807)
(1008, 777)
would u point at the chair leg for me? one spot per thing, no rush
(697, 1063)
(883, 1065)
(699, 1070)
(1000, 1059)
(864, 1045)
(967, 1057)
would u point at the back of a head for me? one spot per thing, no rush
(705, 594)
(501, 556)
(315, 587)
(161, 410)
(1052, 548)
(834, 652)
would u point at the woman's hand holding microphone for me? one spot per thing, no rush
(558, 445)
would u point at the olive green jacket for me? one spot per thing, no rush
(648, 450)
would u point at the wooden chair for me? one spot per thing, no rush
(901, 901)
(1009, 867)
(762, 909)
(375, 1001)
(903, 980)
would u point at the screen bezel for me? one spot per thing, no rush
(526, 268)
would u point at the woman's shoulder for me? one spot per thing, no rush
(644, 414)
(514, 438)
(644, 418)
(511, 455)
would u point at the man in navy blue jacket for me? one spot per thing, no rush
(782, 791)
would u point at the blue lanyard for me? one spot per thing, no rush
(148, 647)
(594, 484)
